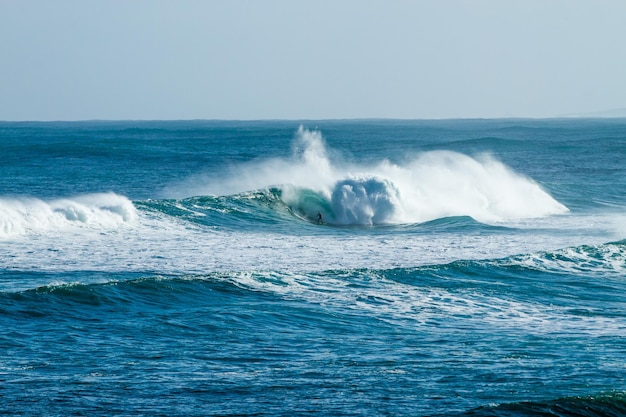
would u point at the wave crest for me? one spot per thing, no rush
(24, 215)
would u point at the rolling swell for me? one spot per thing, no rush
(248, 210)
(602, 405)
(548, 277)
(124, 293)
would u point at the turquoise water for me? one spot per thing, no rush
(463, 267)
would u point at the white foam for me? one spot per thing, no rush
(443, 183)
(364, 201)
(606, 260)
(391, 301)
(28, 215)
(158, 242)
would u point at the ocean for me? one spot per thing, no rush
(331, 268)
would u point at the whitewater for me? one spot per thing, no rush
(462, 267)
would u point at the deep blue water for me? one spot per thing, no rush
(461, 268)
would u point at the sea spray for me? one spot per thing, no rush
(444, 183)
(365, 201)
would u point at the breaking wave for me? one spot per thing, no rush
(433, 185)
(23, 215)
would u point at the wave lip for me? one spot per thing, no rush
(26, 215)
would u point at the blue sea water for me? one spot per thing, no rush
(460, 268)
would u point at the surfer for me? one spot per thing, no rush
(319, 218)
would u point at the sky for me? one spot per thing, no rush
(290, 59)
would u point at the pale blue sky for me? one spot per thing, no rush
(289, 59)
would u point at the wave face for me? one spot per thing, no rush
(460, 268)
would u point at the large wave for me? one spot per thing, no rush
(430, 186)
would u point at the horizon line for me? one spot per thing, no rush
(339, 119)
